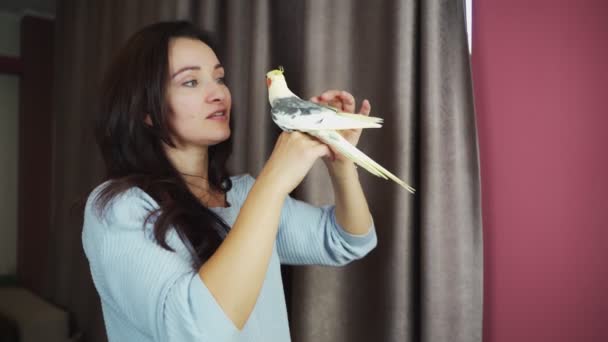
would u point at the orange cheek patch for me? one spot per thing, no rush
(268, 82)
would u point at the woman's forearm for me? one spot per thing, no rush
(236, 271)
(352, 211)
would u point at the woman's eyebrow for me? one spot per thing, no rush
(192, 67)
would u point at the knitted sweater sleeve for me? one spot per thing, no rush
(311, 235)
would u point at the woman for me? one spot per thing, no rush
(178, 249)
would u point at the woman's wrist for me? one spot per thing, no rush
(269, 179)
(342, 170)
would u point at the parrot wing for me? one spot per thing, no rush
(354, 116)
(338, 142)
(297, 114)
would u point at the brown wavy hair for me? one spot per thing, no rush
(135, 86)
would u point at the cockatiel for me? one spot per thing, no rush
(291, 113)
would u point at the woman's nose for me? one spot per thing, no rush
(215, 92)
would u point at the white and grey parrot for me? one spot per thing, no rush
(291, 113)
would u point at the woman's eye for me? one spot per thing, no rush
(192, 83)
(221, 80)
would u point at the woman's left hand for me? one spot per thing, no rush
(343, 101)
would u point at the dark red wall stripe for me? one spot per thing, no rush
(541, 85)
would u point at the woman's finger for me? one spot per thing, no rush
(320, 150)
(366, 107)
(332, 153)
(348, 101)
(336, 103)
(330, 94)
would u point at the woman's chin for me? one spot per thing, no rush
(219, 139)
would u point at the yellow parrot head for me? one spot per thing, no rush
(274, 74)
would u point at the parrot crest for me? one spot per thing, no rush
(276, 72)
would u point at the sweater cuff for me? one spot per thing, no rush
(209, 313)
(355, 240)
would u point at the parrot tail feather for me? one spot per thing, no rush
(361, 159)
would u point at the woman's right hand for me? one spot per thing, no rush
(293, 156)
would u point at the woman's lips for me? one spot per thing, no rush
(219, 115)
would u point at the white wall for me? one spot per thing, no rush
(468, 9)
(9, 96)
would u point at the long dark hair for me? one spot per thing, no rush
(134, 87)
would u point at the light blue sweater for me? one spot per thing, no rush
(151, 294)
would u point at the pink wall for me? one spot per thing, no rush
(541, 81)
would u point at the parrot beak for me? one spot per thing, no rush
(268, 82)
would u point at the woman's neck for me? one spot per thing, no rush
(192, 164)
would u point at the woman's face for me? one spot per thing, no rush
(199, 101)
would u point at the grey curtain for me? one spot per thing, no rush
(409, 58)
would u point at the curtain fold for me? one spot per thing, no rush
(449, 210)
(409, 58)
